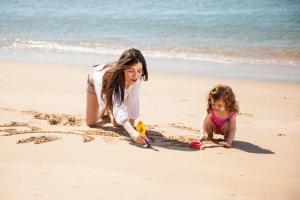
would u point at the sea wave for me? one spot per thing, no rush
(226, 55)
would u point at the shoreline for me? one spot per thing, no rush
(175, 66)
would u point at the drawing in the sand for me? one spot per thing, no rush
(66, 125)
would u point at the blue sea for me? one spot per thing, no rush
(223, 31)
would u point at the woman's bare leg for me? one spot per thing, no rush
(92, 109)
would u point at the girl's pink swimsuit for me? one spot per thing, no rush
(220, 122)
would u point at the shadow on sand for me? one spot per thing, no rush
(251, 148)
(243, 146)
(157, 139)
(181, 143)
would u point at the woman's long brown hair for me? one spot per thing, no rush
(113, 82)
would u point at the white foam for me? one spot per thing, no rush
(86, 47)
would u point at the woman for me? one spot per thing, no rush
(115, 87)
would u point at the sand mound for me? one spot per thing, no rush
(61, 119)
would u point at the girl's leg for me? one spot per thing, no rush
(225, 130)
(209, 128)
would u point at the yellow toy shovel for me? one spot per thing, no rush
(140, 127)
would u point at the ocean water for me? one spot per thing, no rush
(223, 31)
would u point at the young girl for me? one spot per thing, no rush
(220, 118)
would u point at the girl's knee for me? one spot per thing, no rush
(225, 129)
(208, 125)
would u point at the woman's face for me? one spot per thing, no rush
(133, 74)
(218, 105)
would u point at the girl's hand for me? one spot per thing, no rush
(140, 139)
(202, 137)
(225, 144)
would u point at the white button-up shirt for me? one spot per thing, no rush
(122, 111)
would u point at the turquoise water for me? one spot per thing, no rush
(256, 31)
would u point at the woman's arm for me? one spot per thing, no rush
(126, 115)
(132, 122)
(133, 105)
(133, 133)
(121, 116)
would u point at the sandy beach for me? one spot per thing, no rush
(47, 151)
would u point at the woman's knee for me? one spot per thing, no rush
(90, 123)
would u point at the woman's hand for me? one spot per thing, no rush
(140, 140)
(137, 138)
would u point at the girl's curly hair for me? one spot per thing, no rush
(225, 93)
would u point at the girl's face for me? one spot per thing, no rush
(133, 74)
(218, 105)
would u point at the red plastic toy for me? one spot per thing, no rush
(195, 145)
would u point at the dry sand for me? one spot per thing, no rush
(47, 152)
